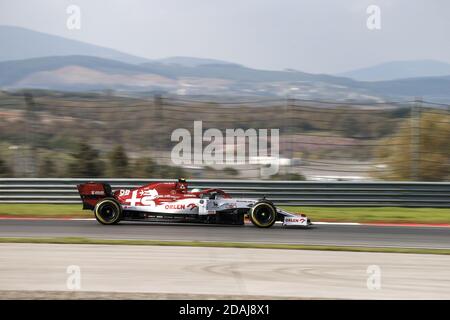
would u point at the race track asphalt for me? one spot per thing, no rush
(341, 235)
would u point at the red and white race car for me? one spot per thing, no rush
(172, 201)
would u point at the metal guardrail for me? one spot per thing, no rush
(301, 193)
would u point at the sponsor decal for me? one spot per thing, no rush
(124, 192)
(146, 197)
(175, 206)
(150, 192)
(98, 193)
(192, 206)
(294, 220)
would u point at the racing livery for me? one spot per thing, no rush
(172, 201)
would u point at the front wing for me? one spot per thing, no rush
(291, 219)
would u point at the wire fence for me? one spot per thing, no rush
(318, 140)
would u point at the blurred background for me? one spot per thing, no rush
(57, 134)
(87, 91)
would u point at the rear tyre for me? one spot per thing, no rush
(263, 214)
(108, 211)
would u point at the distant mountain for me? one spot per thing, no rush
(30, 59)
(73, 73)
(85, 73)
(20, 43)
(241, 73)
(192, 61)
(427, 88)
(28, 46)
(13, 71)
(93, 73)
(400, 70)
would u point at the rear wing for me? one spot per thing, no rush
(93, 192)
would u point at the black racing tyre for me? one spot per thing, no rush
(263, 214)
(108, 211)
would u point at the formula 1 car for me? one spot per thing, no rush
(171, 201)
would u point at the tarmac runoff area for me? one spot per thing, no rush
(154, 272)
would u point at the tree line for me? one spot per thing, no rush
(87, 162)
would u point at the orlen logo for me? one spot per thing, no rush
(300, 220)
(175, 206)
(192, 206)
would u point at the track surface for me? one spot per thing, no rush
(360, 235)
(223, 271)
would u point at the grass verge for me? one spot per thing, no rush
(380, 214)
(338, 214)
(76, 240)
(44, 210)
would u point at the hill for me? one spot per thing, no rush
(20, 43)
(400, 70)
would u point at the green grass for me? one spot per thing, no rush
(222, 245)
(368, 214)
(340, 214)
(44, 210)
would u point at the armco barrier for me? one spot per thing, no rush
(302, 193)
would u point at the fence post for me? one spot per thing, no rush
(158, 135)
(415, 139)
(290, 131)
(30, 131)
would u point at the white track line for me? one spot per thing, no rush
(249, 223)
(339, 223)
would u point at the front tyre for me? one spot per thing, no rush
(108, 211)
(263, 214)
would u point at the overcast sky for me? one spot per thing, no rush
(320, 36)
